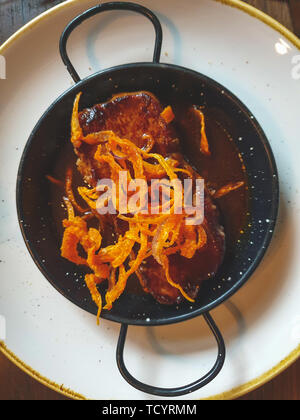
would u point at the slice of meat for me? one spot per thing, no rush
(137, 117)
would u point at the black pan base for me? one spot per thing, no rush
(171, 84)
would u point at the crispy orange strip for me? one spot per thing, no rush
(76, 131)
(202, 236)
(189, 247)
(168, 114)
(91, 281)
(171, 282)
(118, 289)
(204, 145)
(54, 180)
(70, 208)
(163, 162)
(69, 247)
(157, 171)
(228, 188)
(89, 195)
(69, 191)
(96, 138)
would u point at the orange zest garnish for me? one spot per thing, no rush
(204, 145)
(228, 188)
(69, 191)
(148, 235)
(91, 281)
(168, 114)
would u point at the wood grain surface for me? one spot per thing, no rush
(295, 15)
(14, 383)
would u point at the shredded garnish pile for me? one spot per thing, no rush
(158, 235)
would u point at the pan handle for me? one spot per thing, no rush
(102, 8)
(173, 392)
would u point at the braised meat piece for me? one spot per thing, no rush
(135, 116)
(189, 273)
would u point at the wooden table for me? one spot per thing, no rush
(16, 385)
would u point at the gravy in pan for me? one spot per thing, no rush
(223, 166)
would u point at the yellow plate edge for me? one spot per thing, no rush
(242, 389)
(36, 375)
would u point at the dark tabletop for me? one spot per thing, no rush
(15, 384)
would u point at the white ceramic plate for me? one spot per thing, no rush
(58, 343)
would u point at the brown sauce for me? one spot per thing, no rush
(222, 167)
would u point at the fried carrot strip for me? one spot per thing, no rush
(91, 281)
(76, 131)
(69, 191)
(156, 235)
(168, 114)
(118, 289)
(228, 188)
(156, 170)
(70, 208)
(89, 195)
(204, 145)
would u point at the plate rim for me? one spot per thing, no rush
(273, 216)
(243, 388)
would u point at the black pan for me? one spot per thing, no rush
(47, 145)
